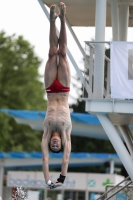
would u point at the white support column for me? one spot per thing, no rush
(68, 53)
(45, 194)
(86, 194)
(123, 21)
(125, 134)
(115, 19)
(1, 180)
(100, 23)
(112, 167)
(117, 143)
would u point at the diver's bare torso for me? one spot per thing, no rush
(58, 113)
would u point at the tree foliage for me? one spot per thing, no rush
(20, 88)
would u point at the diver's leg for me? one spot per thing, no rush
(51, 66)
(63, 68)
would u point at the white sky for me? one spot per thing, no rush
(25, 17)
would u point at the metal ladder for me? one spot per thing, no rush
(104, 196)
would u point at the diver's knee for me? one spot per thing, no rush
(53, 52)
(62, 52)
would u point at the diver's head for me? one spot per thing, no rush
(55, 144)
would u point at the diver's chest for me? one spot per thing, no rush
(60, 125)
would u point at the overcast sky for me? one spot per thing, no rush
(25, 17)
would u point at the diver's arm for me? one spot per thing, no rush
(66, 151)
(45, 152)
(66, 155)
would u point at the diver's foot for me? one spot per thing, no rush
(53, 15)
(62, 11)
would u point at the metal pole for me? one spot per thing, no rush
(112, 167)
(114, 18)
(62, 192)
(125, 134)
(45, 194)
(117, 143)
(68, 53)
(118, 191)
(100, 23)
(108, 78)
(86, 194)
(123, 22)
(1, 180)
(74, 36)
(103, 195)
(130, 134)
(91, 70)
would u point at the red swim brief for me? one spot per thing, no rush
(57, 87)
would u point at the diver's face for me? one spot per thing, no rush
(55, 142)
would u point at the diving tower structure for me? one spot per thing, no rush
(113, 113)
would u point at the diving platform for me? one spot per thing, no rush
(120, 112)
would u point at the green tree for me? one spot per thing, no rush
(20, 88)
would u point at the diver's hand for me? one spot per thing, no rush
(54, 185)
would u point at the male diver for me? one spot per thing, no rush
(57, 123)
